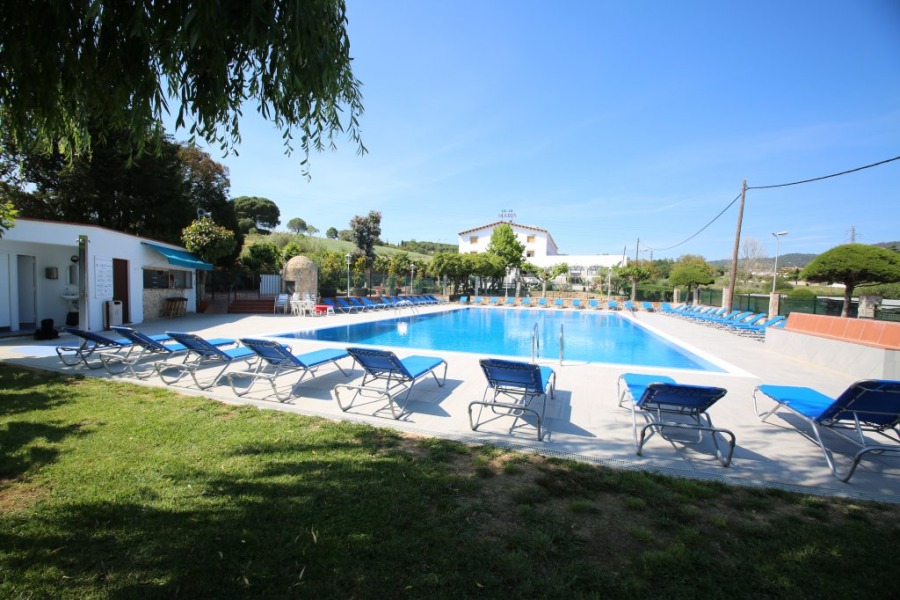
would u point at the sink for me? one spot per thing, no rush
(70, 297)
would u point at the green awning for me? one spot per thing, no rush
(181, 258)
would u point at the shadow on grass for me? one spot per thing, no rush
(19, 391)
(305, 521)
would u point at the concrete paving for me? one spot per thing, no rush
(584, 420)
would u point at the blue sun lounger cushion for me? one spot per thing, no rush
(155, 346)
(94, 343)
(201, 353)
(866, 407)
(275, 360)
(397, 375)
(666, 404)
(514, 386)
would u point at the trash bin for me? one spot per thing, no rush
(113, 313)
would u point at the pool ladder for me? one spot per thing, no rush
(536, 342)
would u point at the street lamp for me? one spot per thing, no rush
(348, 257)
(775, 271)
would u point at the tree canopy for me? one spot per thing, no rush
(854, 265)
(157, 197)
(212, 242)
(263, 212)
(365, 232)
(331, 233)
(690, 275)
(297, 225)
(505, 245)
(8, 213)
(75, 72)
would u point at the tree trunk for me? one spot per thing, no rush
(633, 288)
(544, 288)
(848, 295)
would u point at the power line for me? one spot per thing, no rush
(768, 187)
(779, 185)
(730, 204)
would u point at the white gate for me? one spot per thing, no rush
(269, 285)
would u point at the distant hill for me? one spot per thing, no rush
(791, 259)
(797, 259)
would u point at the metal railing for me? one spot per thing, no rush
(560, 344)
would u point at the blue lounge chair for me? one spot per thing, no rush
(402, 302)
(526, 301)
(397, 375)
(477, 300)
(463, 300)
(542, 302)
(612, 305)
(347, 307)
(357, 303)
(335, 307)
(559, 303)
(435, 299)
(757, 330)
(202, 353)
(665, 307)
(657, 396)
(648, 306)
(514, 386)
(870, 406)
(493, 300)
(373, 305)
(94, 343)
(276, 360)
(156, 346)
(576, 303)
(595, 304)
(736, 325)
(732, 319)
(629, 305)
(510, 301)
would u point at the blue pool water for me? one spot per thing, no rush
(589, 336)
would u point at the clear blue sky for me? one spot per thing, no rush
(607, 121)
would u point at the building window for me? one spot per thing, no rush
(473, 239)
(529, 254)
(158, 279)
(530, 239)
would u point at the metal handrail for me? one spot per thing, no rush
(535, 339)
(560, 344)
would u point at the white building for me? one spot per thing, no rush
(540, 249)
(50, 269)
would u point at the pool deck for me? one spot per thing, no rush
(584, 421)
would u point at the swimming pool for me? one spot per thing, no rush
(589, 336)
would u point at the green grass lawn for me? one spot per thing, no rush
(116, 490)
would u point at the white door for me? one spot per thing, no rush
(6, 287)
(27, 290)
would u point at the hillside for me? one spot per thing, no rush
(282, 238)
(791, 259)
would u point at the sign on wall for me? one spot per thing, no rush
(103, 277)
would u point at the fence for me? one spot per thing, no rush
(759, 303)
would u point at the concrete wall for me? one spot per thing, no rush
(860, 361)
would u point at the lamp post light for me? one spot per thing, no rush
(775, 271)
(348, 257)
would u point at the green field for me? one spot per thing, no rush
(111, 490)
(332, 245)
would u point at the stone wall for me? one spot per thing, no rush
(155, 302)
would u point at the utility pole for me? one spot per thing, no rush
(852, 234)
(728, 300)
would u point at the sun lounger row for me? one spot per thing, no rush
(555, 303)
(741, 322)
(353, 305)
(517, 390)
